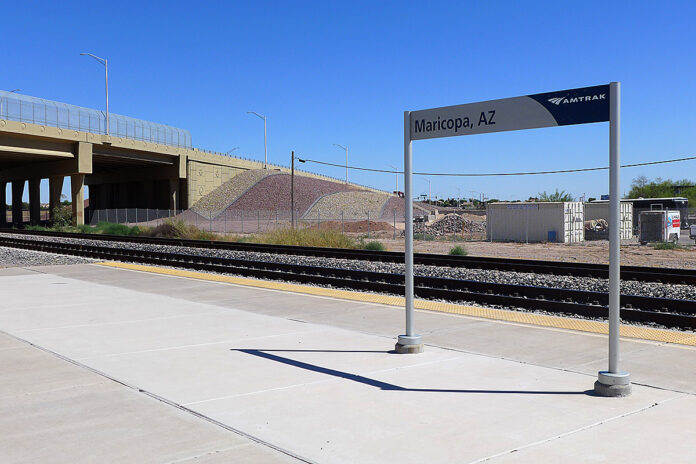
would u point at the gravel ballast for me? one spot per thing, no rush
(15, 257)
(651, 289)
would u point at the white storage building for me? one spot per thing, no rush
(561, 222)
(600, 210)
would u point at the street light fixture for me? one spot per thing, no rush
(265, 144)
(105, 62)
(429, 190)
(230, 151)
(346, 149)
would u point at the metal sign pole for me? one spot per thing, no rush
(410, 342)
(614, 382)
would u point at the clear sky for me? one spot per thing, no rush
(344, 72)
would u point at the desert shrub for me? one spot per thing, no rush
(458, 251)
(374, 246)
(306, 237)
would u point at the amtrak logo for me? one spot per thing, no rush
(565, 100)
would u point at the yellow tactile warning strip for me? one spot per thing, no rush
(582, 325)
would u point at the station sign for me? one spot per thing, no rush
(561, 108)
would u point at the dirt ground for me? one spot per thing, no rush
(632, 253)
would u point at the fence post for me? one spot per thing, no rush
(394, 225)
(241, 213)
(210, 221)
(342, 232)
(368, 224)
(147, 215)
(258, 221)
(318, 219)
(225, 221)
(276, 224)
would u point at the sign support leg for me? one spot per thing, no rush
(410, 342)
(614, 382)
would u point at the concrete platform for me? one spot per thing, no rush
(136, 367)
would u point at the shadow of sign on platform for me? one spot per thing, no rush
(377, 383)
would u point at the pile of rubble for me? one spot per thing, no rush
(450, 224)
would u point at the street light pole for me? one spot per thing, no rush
(265, 143)
(230, 151)
(396, 174)
(292, 190)
(346, 149)
(105, 62)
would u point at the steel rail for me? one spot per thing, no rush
(672, 313)
(637, 273)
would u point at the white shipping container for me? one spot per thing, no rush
(600, 210)
(536, 222)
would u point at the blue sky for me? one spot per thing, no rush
(344, 72)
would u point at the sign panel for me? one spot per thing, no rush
(561, 108)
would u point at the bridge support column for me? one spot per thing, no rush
(17, 192)
(3, 204)
(34, 201)
(55, 188)
(174, 194)
(77, 186)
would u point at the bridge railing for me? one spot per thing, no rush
(23, 108)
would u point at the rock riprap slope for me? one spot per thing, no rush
(222, 197)
(353, 205)
(273, 194)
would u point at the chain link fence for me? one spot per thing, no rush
(389, 225)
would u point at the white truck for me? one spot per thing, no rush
(659, 226)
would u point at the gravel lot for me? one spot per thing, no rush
(14, 257)
(506, 277)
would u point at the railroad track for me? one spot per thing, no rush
(637, 273)
(668, 312)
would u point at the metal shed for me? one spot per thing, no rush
(535, 222)
(600, 210)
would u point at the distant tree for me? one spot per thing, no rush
(591, 199)
(642, 187)
(555, 196)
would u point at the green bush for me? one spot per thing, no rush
(374, 246)
(109, 228)
(458, 251)
(62, 217)
(665, 246)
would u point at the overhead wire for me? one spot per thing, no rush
(498, 174)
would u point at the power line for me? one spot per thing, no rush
(497, 174)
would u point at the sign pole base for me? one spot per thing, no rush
(613, 384)
(409, 344)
